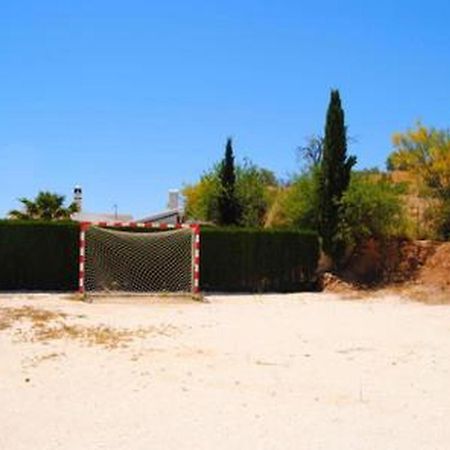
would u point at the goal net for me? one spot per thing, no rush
(139, 261)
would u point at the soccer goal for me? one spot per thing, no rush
(136, 257)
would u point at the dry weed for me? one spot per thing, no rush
(49, 325)
(9, 316)
(99, 335)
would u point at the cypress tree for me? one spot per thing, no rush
(229, 208)
(334, 178)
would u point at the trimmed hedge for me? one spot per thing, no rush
(38, 256)
(234, 259)
(43, 256)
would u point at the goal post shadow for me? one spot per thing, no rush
(141, 279)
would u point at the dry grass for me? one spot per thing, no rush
(45, 325)
(38, 317)
(99, 335)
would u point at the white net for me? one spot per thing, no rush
(139, 261)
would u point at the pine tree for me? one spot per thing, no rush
(334, 178)
(229, 208)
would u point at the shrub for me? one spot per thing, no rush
(234, 259)
(38, 256)
(43, 256)
(296, 206)
(372, 208)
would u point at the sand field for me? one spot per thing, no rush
(297, 371)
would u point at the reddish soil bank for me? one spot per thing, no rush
(417, 269)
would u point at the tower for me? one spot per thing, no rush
(174, 199)
(78, 197)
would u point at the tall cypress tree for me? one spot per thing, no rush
(334, 176)
(229, 207)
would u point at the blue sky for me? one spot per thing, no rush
(130, 99)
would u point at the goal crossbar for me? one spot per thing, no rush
(117, 226)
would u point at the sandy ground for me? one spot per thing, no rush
(303, 371)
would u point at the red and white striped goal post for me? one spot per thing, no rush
(153, 225)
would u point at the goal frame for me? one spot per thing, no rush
(84, 226)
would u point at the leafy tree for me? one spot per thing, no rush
(46, 206)
(266, 176)
(254, 188)
(228, 202)
(202, 198)
(425, 153)
(372, 207)
(334, 178)
(296, 205)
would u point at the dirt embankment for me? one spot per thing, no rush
(436, 270)
(396, 261)
(419, 269)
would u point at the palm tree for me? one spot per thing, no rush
(46, 206)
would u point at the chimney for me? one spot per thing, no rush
(78, 197)
(174, 199)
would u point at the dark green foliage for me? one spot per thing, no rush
(38, 256)
(335, 173)
(228, 203)
(244, 260)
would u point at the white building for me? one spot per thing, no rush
(172, 215)
(84, 216)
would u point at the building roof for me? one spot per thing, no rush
(101, 217)
(173, 214)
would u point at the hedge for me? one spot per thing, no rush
(233, 259)
(43, 256)
(38, 256)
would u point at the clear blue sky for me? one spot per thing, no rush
(131, 98)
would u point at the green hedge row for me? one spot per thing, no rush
(258, 260)
(43, 256)
(38, 256)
